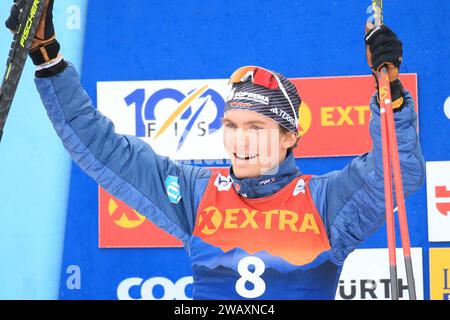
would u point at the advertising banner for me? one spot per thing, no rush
(439, 273)
(121, 227)
(366, 275)
(438, 200)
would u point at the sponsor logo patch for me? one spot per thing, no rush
(299, 188)
(173, 189)
(223, 183)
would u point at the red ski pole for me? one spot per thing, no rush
(390, 220)
(390, 149)
(383, 86)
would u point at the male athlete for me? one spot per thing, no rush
(252, 231)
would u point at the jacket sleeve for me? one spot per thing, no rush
(351, 200)
(123, 165)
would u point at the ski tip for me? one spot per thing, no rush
(1, 135)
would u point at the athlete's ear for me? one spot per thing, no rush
(288, 139)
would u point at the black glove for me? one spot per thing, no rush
(13, 19)
(384, 47)
(44, 47)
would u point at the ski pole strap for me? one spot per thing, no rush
(44, 50)
(397, 93)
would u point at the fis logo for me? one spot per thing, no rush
(177, 113)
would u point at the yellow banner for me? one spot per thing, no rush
(440, 274)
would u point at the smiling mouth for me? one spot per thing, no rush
(245, 156)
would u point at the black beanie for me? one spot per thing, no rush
(269, 102)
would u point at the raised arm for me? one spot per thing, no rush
(167, 193)
(124, 165)
(352, 200)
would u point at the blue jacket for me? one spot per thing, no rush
(350, 201)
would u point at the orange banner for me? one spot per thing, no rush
(122, 227)
(334, 116)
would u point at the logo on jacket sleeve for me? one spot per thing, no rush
(173, 189)
(223, 183)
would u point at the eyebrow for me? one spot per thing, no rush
(245, 123)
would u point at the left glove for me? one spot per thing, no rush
(44, 47)
(384, 48)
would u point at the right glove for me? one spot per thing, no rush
(44, 47)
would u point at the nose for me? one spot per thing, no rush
(246, 142)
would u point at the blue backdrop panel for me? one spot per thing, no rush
(157, 40)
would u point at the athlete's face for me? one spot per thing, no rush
(254, 143)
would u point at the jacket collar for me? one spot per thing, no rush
(267, 184)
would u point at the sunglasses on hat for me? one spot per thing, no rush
(261, 77)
